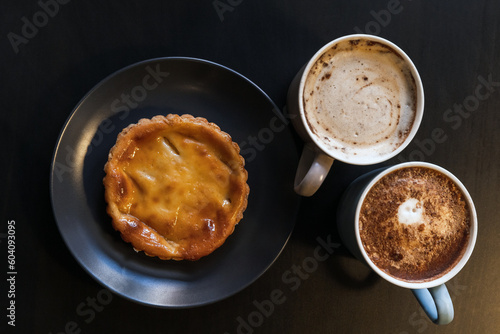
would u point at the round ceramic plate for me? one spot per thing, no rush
(181, 86)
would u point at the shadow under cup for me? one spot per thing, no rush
(431, 293)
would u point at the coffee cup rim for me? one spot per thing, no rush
(419, 107)
(472, 236)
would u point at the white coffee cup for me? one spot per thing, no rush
(432, 294)
(317, 157)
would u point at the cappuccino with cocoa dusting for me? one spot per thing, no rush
(360, 99)
(414, 224)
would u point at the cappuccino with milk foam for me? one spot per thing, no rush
(360, 99)
(414, 224)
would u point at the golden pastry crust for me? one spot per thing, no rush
(176, 186)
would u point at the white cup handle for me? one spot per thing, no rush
(312, 170)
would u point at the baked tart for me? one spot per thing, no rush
(175, 186)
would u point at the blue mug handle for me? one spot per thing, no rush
(436, 303)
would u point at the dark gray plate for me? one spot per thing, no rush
(162, 86)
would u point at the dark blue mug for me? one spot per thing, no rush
(432, 295)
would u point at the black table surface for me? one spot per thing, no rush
(54, 52)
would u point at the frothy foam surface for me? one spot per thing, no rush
(410, 212)
(360, 99)
(414, 224)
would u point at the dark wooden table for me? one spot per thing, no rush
(54, 52)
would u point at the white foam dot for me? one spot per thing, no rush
(410, 212)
